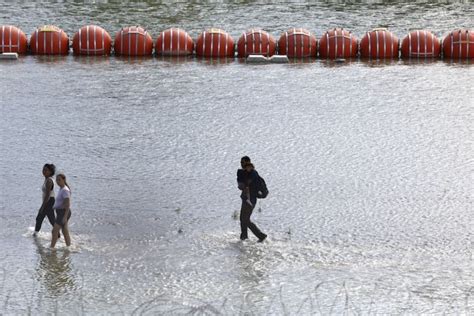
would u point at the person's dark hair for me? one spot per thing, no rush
(51, 167)
(245, 159)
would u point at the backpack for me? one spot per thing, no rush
(262, 190)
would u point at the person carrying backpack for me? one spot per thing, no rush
(249, 182)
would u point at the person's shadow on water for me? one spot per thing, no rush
(54, 270)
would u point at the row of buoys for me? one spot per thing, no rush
(295, 43)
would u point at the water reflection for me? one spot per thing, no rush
(135, 60)
(92, 60)
(294, 61)
(215, 61)
(378, 62)
(419, 61)
(308, 60)
(50, 59)
(175, 60)
(54, 270)
(458, 62)
(340, 62)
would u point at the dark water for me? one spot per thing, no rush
(369, 167)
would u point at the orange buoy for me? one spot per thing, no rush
(12, 40)
(256, 42)
(420, 44)
(215, 43)
(49, 40)
(338, 43)
(297, 43)
(133, 41)
(92, 40)
(459, 44)
(174, 42)
(379, 43)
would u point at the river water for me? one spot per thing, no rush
(369, 167)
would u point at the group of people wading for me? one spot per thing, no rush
(56, 209)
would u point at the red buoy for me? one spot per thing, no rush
(215, 43)
(12, 40)
(133, 41)
(338, 43)
(420, 44)
(297, 43)
(49, 40)
(379, 43)
(459, 44)
(92, 40)
(256, 42)
(174, 42)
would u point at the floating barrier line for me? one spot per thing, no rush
(295, 42)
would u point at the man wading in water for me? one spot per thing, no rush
(247, 181)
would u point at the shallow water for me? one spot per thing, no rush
(369, 166)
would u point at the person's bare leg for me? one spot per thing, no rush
(54, 234)
(67, 237)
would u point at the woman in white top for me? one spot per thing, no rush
(63, 211)
(46, 208)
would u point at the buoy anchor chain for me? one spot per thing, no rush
(9, 56)
(260, 59)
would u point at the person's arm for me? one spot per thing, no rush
(66, 205)
(240, 179)
(49, 187)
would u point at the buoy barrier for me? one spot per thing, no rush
(13, 40)
(379, 44)
(420, 44)
(215, 43)
(338, 43)
(459, 44)
(174, 42)
(49, 40)
(297, 43)
(256, 42)
(133, 41)
(92, 40)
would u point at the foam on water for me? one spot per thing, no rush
(42, 239)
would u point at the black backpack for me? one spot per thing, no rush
(262, 190)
